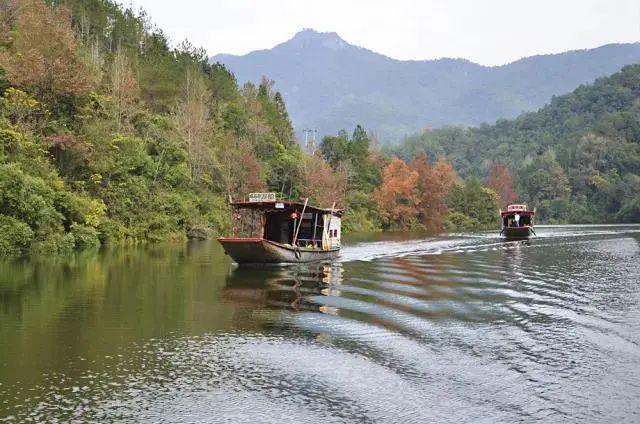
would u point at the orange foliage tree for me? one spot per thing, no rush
(434, 184)
(43, 53)
(397, 196)
(501, 181)
(239, 169)
(321, 183)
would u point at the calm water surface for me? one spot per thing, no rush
(464, 328)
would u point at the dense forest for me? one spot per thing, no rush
(108, 134)
(577, 159)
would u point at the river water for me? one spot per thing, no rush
(462, 328)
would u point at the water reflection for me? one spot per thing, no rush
(283, 288)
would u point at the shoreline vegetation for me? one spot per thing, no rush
(108, 135)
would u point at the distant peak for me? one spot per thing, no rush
(309, 37)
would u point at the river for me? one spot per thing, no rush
(458, 328)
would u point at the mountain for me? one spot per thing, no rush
(330, 84)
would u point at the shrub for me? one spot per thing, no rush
(15, 236)
(457, 221)
(29, 198)
(360, 221)
(85, 237)
(57, 243)
(215, 213)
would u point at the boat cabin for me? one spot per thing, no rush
(523, 215)
(289, 223)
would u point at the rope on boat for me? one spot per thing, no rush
(296, 251)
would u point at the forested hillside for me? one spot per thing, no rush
(577, 160)
(330, 84)
(107, 134)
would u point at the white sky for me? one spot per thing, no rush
(490, 32)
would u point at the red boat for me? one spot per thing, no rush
(517, 222)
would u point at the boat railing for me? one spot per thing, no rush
(305, 242)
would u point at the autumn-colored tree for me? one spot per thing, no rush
(321, 183)
(124, 86)
(434, 184)
(397, 197)
(501, 181)
(193, 121)
(421, 165)
(239, 169)
(43, 54)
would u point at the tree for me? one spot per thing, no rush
(240, 170)
(282, 124)
(43, 55)
(124, 86)
(321, 183)
(501, 181)
(542, 178)
(475, 201)
(434, 184)
(334, 149)
(397, 197)
(192, 118)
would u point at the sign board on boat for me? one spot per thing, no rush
(262, 197)
(516, 208)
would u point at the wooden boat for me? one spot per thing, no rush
(517, 222)
(270, 231)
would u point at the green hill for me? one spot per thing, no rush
(577, 159)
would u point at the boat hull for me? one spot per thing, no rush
(256, 251)
(517, 232)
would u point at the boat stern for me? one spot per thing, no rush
(517, 232)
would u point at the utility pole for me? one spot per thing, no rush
(310, 144)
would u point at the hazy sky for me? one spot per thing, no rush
(489, 32)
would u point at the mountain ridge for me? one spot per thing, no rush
(330, 84)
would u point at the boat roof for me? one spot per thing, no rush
(283, 205)
(522, 212)
(505, 213)
(513, 209)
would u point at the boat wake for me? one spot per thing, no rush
(473, 242)
(433, 246)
